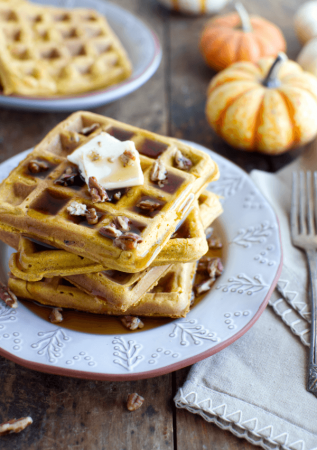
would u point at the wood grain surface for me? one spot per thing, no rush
(85, 415)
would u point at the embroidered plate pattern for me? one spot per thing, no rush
(126, 353)
(242, 284)
(51, 344)
(190, 332)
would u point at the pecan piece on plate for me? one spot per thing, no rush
(92, 216)
(77, 209)
(213, 266)
(135, 401)
(158, 172)
(214, 243)
(8, 297)
(86, 131)
(132, 322)
(15, 425)
(204, 286)
(68, 177)
(148, 205)
(128, 241)
(127, 158)
(181, 162)
(110, 231)
(55, 315)
(35, 166)
(97, 192)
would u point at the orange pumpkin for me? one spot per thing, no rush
(239, 37)
(268, 107)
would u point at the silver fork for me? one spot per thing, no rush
(304, 236)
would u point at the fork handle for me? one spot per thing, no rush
(312, 370)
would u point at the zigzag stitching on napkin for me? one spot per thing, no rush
(265, 434)
(301, 334)
(290, 297)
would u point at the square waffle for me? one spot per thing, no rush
(169, 298)
(33, 204)
(47, 51)
(36, 260)
(119, 288)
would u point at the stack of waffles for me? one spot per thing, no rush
(47, 51)
(68, 261)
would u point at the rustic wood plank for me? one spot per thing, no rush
(69, 413)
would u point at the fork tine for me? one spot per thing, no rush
(294, 206)
(310, 204)
(302, 203)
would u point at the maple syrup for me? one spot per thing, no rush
(170, 184)
(152, 149)
(144, 212)
(120, 134)
(50, 202)
(42, 174)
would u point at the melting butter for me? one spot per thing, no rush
(101, 158)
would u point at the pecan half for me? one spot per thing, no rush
(148, 205)
(35, 166)
(158, 171)
(88, 130)
(131, 322)
(128, 241)
(68, 177)
(181, 162)
(122, 223)
(135, 401)
(127, 158)
(92, 216)
(213, 266)
(214, 242)
(110, 231)
(15, 425)
(97, 192)
(77, 209)
(56, 316)
(8, 297)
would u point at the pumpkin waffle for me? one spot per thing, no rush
(47, 51)
(169, 298)
(35, 261)
(121, 289)
(36, 204)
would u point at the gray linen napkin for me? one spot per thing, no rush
(256, 387)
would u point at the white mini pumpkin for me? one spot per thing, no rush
(307, 57)
(195, 6)
(305, 21)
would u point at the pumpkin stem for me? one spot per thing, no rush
(244, 17)
(271, 80)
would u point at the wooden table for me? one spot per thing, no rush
(86, 415)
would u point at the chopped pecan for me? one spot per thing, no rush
(35, 166)
(128, 241)
(204, 286)
(127, 158)
(213, 266)
(214, 242)
(68, 177)
(131, 322)
(8, 297)
(97, 192)
(92, 216)
(111, 159)
(135, 401)
(56, 316)
(122, 223)
(117, 195)
(15, 425)
(158, 172)
(181, 162)
(88, 130)
(77, 209)
(110, 231)
(148, 205)
(94, 156)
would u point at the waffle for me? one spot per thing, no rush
(35, 261)
(169, 298)
(35, 206)
(46, 51)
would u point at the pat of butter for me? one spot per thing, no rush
(100, 158)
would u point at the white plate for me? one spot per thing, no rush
(140, 42)
(252, 267)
